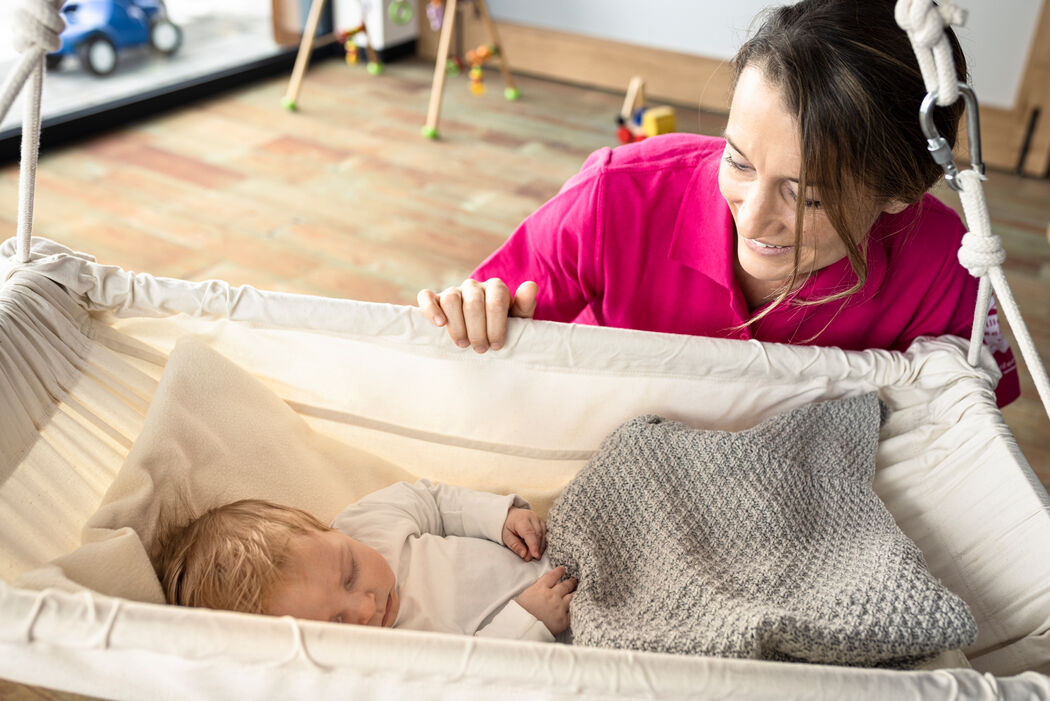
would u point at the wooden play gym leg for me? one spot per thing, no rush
(511, 92)
(434, 111)
(437, 90)
(306, 45)
(374, 65)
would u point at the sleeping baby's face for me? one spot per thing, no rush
(332, 577)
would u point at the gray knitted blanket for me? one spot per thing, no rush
(767, 543)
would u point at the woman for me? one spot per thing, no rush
(809, 223)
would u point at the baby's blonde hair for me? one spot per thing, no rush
(231, 556)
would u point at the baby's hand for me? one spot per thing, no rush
(548, 599)
(525, 533)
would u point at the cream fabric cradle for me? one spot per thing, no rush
(83, 346)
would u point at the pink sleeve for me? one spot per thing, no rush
(558, 247)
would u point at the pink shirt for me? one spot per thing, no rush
(641, 238)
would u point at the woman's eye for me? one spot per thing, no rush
(811, 204)
(732, 163)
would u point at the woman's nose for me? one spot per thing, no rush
(755, 214)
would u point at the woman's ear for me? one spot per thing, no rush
(895, 207)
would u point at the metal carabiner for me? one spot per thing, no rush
(938, 145)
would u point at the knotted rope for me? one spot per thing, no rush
(925, 24)
(981, 252)
(37, 26)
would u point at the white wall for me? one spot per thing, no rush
(703, 27)
(996, 37)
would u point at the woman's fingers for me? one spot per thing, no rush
(524, 305)
(497, 307)
(475, 313)
(431, 307)
(451, 301)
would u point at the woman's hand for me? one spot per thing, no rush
(548, 599)
(525, 532)
(476, 312)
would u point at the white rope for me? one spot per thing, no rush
(34, 614)
(36, 28)
(298, 651)
(924, 21)
(981, 252)
(103, 634)
(983, 255)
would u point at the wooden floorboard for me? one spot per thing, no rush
(345, 198)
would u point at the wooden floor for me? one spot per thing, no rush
(345, 198)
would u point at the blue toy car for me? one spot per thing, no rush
(97, 30)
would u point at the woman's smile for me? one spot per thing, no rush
(767, 249)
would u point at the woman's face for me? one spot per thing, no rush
(758, 178)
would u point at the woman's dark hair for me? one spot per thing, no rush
(848, 73)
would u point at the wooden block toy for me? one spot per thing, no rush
(636, 121)
(658, 120)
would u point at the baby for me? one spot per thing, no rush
(421, 556)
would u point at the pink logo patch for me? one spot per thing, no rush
(993, 337)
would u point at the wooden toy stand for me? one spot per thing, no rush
(637, 121)
(306, 46)
(634, 98)
(430, 129)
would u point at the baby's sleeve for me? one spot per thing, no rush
(475, 514)
(515, 623)
(435, 508)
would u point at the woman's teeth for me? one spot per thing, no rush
(768, 245)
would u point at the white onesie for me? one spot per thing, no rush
(444, 543)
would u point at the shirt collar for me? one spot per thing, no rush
(703, 233)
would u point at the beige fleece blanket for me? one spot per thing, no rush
(213, 434)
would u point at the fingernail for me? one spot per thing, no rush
(439, 320)
(463, 344)
(497, 346)
(480, 349)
